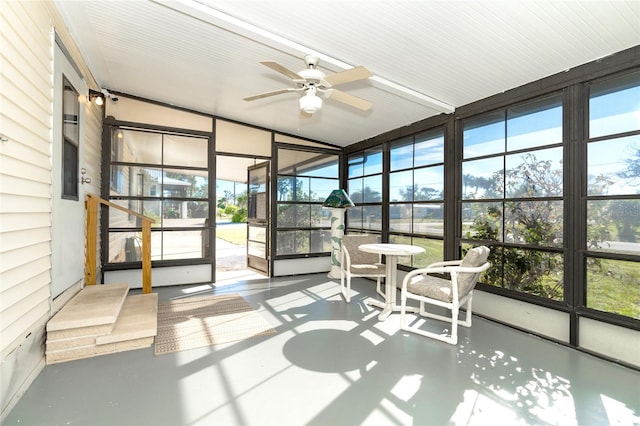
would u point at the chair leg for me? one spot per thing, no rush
(346, 292)
(416, 330)
(450, 338)
(468, 315)
(454, 325)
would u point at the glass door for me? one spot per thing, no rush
(258, 218)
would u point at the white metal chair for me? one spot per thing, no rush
(356, 263)
(450, 293)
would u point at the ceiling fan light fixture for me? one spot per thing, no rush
(310, 103)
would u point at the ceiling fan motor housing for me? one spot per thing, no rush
(313, 75)
(311, 60)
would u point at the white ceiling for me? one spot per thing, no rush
(427, 56)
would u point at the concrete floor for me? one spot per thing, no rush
(333, 363)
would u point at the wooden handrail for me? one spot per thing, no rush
(92, 238)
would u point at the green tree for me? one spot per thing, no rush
(537, 223)
(632, 172)
(191, 179)
(420, 193)
(367, 194)
(241, 214)
(624, 214)
(222, 203)
(200, 191)
(285, 186)
(534, 178)
(491, 187)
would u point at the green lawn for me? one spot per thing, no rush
(614, 287)
(237, 236)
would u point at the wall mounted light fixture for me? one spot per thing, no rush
(96, 97)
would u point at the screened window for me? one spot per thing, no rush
(165, 177)
(512, 195)
(305, 180)
(416, 195)
(613, 197)
(364, 187)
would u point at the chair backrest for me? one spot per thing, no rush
(358, 257)
(467, 280)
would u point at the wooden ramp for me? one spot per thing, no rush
(101, 319)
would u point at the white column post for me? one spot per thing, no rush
(337, 232)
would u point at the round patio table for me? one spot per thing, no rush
(391, 253)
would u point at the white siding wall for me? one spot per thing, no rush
(25, 191)
(26, 96)
(25, 169)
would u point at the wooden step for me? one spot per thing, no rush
(138, 318)
(91, 312)
(95, 350)
(135, 327)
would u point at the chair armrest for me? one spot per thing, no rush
(435, 268)
(429, 270)
(473, 269)
(444, 269)
(445, 263)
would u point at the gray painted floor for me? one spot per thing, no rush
(333, 363)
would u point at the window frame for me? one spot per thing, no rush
(572, 85)
(433, 244)
(589, 254)
(362, 205)
(499, 246)
(163, 199)
(323, 231)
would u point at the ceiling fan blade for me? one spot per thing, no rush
(265, 95)
(348, 99)
(354, 74)
(282, 70)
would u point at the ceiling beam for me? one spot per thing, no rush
(219, 19)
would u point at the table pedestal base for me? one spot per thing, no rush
(388, 308)
(391, 252)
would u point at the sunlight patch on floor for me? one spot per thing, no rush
(407, 387)
(534, 394)
(198, 289)
(236, 277)
(477, 409)
(618, 413)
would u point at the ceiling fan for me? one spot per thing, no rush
(313, 82)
